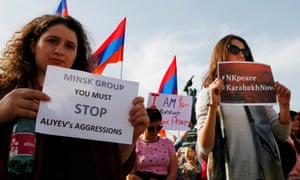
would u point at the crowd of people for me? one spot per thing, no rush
(233, 142)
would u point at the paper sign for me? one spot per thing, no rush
(175, 110)
(86, 106)
(246, 83)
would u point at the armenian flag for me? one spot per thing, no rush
(168, 84)
(62, 8)
(111, 51)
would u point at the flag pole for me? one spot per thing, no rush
(121, 69)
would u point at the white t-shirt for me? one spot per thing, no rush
(241, 147)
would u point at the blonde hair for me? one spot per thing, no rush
(190, 153)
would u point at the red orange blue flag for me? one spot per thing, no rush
(111, 51)
(62, 8)
(168, 84)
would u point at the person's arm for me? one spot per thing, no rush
(281, 125)
(280, 131)
(283, 97)
(173, 168)
(132, 175)
(207, 133)
(139, 119)
(21, 102)
(179, 141)
(206, 136)
(126, 151)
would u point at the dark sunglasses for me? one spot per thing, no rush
(236, 50)
(152, 128)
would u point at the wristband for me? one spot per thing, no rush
(213, 106)
(285, 123)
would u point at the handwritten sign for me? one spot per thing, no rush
(175, 110)
(86, 106)
(246, 83)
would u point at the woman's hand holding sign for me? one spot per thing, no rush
(20, 102)
(139, 119)
(283, 98)
(215, 90)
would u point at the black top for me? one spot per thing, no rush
(67, 158)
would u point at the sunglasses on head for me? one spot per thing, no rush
(152, 128)
(236, 50)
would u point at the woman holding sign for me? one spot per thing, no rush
(60, 41)
(238, 141)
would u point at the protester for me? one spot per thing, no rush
(235, 153)
(59, 41)
(181, 160)
(191, 168)
(179, 141)
(155, 155)
(286, 148)
(295, 127)
(294, 140)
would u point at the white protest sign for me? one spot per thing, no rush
(86, 106)
(176, 110)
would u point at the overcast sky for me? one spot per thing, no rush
(157, 30)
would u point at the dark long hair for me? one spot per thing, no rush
(220, 53)
(18, 61)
